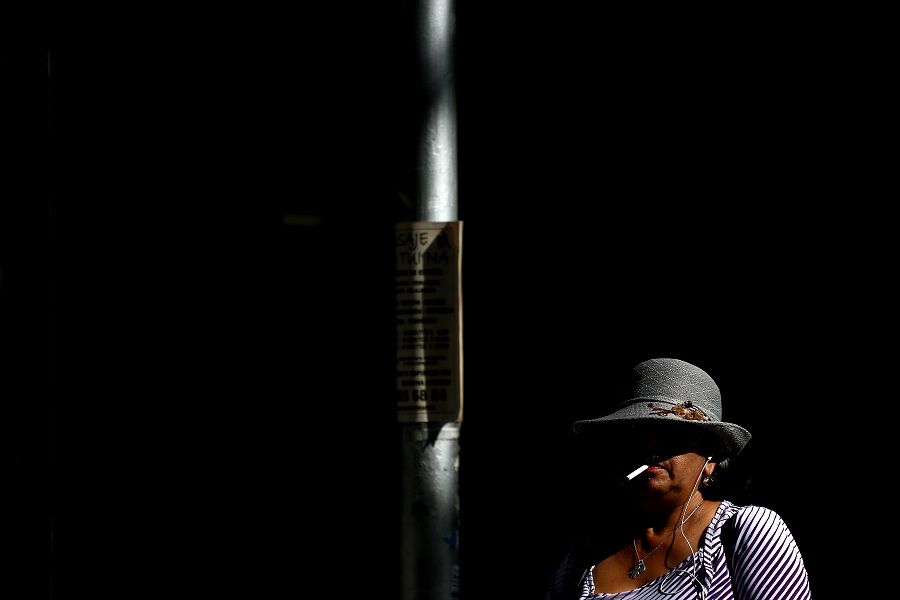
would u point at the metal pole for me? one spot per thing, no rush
(430, 506)
(437, 142)
(430, 518)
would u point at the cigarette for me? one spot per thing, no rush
(637, 472)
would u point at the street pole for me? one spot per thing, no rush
(430, 499)
(437, 141)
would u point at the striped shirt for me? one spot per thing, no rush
(758, 561)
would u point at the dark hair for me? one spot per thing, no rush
(728, 481)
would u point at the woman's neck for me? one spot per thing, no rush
(667, 518)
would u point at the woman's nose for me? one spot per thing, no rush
(646, 441)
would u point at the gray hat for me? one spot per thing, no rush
(673, 391)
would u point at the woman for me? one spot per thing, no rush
(665, 536)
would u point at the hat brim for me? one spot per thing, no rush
(733, 436)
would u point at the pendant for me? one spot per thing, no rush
(637, 569)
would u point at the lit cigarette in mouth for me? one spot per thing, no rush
(637, 472)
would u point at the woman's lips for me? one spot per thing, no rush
(655, 469)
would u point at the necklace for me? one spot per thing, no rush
(640, 567)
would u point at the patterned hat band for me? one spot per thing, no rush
(686, 410)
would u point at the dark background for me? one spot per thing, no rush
(197, 397)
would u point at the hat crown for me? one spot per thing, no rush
(676, 381)
(662, 389)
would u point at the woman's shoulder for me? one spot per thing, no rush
(751, 521)
(748, 515)
(761, 553)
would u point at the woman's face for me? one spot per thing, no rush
(677, 458)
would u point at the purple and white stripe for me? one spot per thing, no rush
(765, 565)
